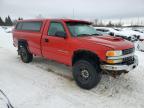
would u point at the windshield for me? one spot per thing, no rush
(82, 29)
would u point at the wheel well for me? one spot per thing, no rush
(82, 54)
(22, 43)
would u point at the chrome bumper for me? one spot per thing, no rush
(121, 67)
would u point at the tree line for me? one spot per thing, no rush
(8, 21)
(100, 23)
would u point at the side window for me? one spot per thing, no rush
(18, 26)
(55, 27)
(32, 26)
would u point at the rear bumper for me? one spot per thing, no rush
(121, 67)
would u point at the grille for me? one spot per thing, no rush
(128, 51)
(128, 60)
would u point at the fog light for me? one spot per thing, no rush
(114, 61)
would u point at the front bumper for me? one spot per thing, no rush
(121, 67)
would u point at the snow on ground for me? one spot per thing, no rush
(47, 84)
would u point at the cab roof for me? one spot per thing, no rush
(64, 20)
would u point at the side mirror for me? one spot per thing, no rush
(60, 34)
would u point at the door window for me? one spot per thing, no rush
(55, 27)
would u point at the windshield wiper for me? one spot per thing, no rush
(95, 34)
(83, 35)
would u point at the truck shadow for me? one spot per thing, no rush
(108, 85)
(54, 67)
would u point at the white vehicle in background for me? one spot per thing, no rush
(140, 44)
(139, 33)
(103, 30)
(116, 32)
(139, 30)
(132, 32)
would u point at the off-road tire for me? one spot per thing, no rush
(94, 73)
(25, 55)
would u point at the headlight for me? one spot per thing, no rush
(114, 53)
(110, 54)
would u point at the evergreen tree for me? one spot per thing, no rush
(8, 21)
(1, 22)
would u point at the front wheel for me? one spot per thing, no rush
(25, 55)
(86, 74)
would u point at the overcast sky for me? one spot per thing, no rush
(105, 9)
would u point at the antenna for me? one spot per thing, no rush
(73, 14)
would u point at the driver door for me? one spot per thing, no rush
(56, 47)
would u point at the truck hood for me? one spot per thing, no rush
(115, 43)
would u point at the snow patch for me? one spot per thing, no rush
(41, 84)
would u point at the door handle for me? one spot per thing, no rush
(46, 40)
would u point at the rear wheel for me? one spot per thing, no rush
(25, 55)
(86, 74)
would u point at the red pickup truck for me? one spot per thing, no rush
(74, 43)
